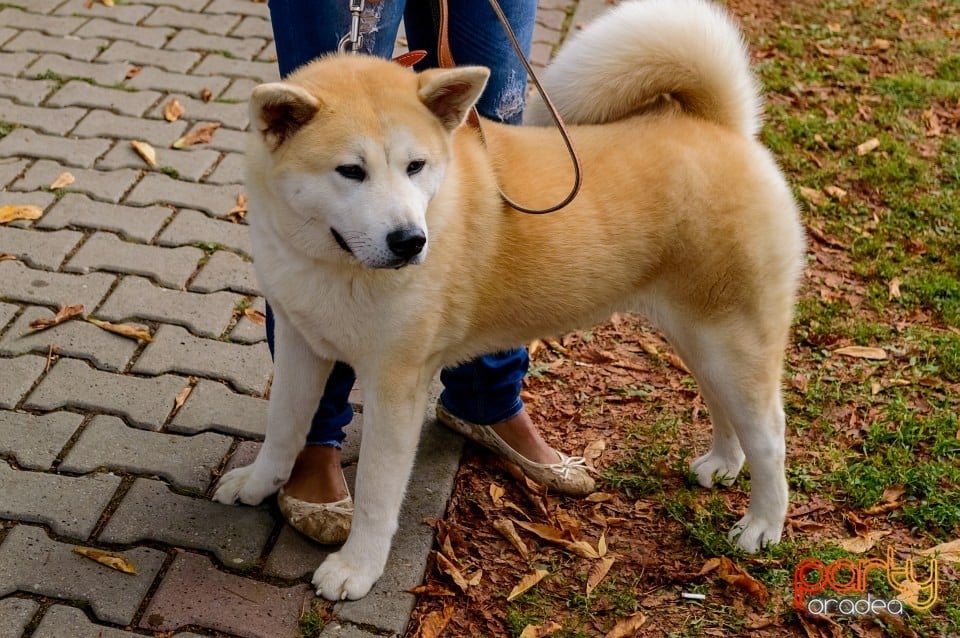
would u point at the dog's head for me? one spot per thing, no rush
(352, 149)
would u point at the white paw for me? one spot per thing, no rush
(751, 534)
(714, 467)
(244, 485)
(340, 578)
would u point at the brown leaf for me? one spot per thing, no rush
(597, 572)
(496, 494)
(12, 213)
(557, 537)
(528, 581)
(113, 561)
(452, 571)
(893, 288)
(65, 179)
(506, 528)
(540, 631)
(181, 397)
(870, 145)
(239, 211)
(835, 192)
(627, 627)
(200, 135)
(7, 257)
(131, 332)
(594, 449)
(435, 622)
(255, 316)
(862, 542)
(599, 497)
(949, 552)
(173, 110)
(65, 313)
(740, 579)
(861, 352)
(676, 362)
(146, 152)
(431, 590)
(106, 3)
(206, 95)
(133, 72)
(813, 195)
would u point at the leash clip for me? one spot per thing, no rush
(353, 40)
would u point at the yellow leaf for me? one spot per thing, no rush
(181, 397)
(597, 573)
(255, 316)
(131, 332)
(107, 3)
(14, 212)
(627, 627)
(65, 179)
(239, 211)
(862, 543)
(949, 552)
(200, 135)
(528, 581)
(540, 631)
(861, 352)
(146, 152)
(870, 145)
(173, 110)
(65, 313)
(113, 561)
(496, 494)
(505, 527)
(7, 257)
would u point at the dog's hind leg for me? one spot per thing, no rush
(394, 400)
(739, 377)
(298, 382)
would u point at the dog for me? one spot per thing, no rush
(380, 239)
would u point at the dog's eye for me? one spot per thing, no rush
(352, 171)
(415, 166)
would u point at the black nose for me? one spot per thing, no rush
(406, 242)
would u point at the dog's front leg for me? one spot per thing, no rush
(393, 412)
(298, 381)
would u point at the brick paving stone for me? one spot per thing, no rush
(32, 562)
(135, 222)
(240, 7)
(85, 49)
(7, 311)
(35, 441)
(23, 91)
(23, 142)
(246, 331)
(174, 349)
(51, 288)
(78, 93)
(52, 25)
(194, 592)
(269, 54)
(11, 64)
(240, 90)
(193, 227)
(219, 65)
(137, 298)
(336, 629)
(131, 52)
(126, 13)
(220, 24)
(108, 186)
(17, 376)
(56, 121)
(230, 114)
(43, 200)
(192, 40)
(294, 556)
(70, 505)
(143, 402)
(244, 455)
(160, 80)
(61, 621)
(39, 250)
(10, 169)
(170, 267)
(110, 30)
(230, 170)
(104, 124)
(209, 198)
(16, 613)
(78, 339)
(229, 141)
(253, 27)
(103, 74)
(185, 461)
(236, 534)
(226, 271)
(189, 164)
(186, 5)
(213, 406)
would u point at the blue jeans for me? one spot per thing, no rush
(487, 389)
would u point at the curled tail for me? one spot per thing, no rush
(688, 50)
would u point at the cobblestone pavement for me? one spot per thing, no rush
(96, 451)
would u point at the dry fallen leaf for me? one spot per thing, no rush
(862, 352)
(862, 542)
(200, 135)
(14, 212)
(594, 449)
(131, 332)
(435, 622)
(505, 527)
(65, 313)
(835, 192)
(599, 497)
(431, 590)
(206, 95)
(113, 561)
(528, 581)
(65, 179)
(870, 145)
(7, 257)
(452, 571)
(740, 579)
(893, 288)
(239, 211)
(496, 494)
(133, 72)
(540, 631)
(813, 195)
(181, 397)
(106, 3)
(627, 627)
(146, 152)
(173, 110)
(557, 536)
(597, 573)
(255, 316)
(949, 552)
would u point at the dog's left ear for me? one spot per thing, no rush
(449, 93)
(278, 109)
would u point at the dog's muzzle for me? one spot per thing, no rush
(406, 243)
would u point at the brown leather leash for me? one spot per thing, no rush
(445, 58)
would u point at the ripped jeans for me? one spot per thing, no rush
(486, 390)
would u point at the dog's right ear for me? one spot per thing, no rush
(279, 109)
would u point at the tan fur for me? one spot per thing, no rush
(682, 215)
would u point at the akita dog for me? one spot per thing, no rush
(380, 239)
